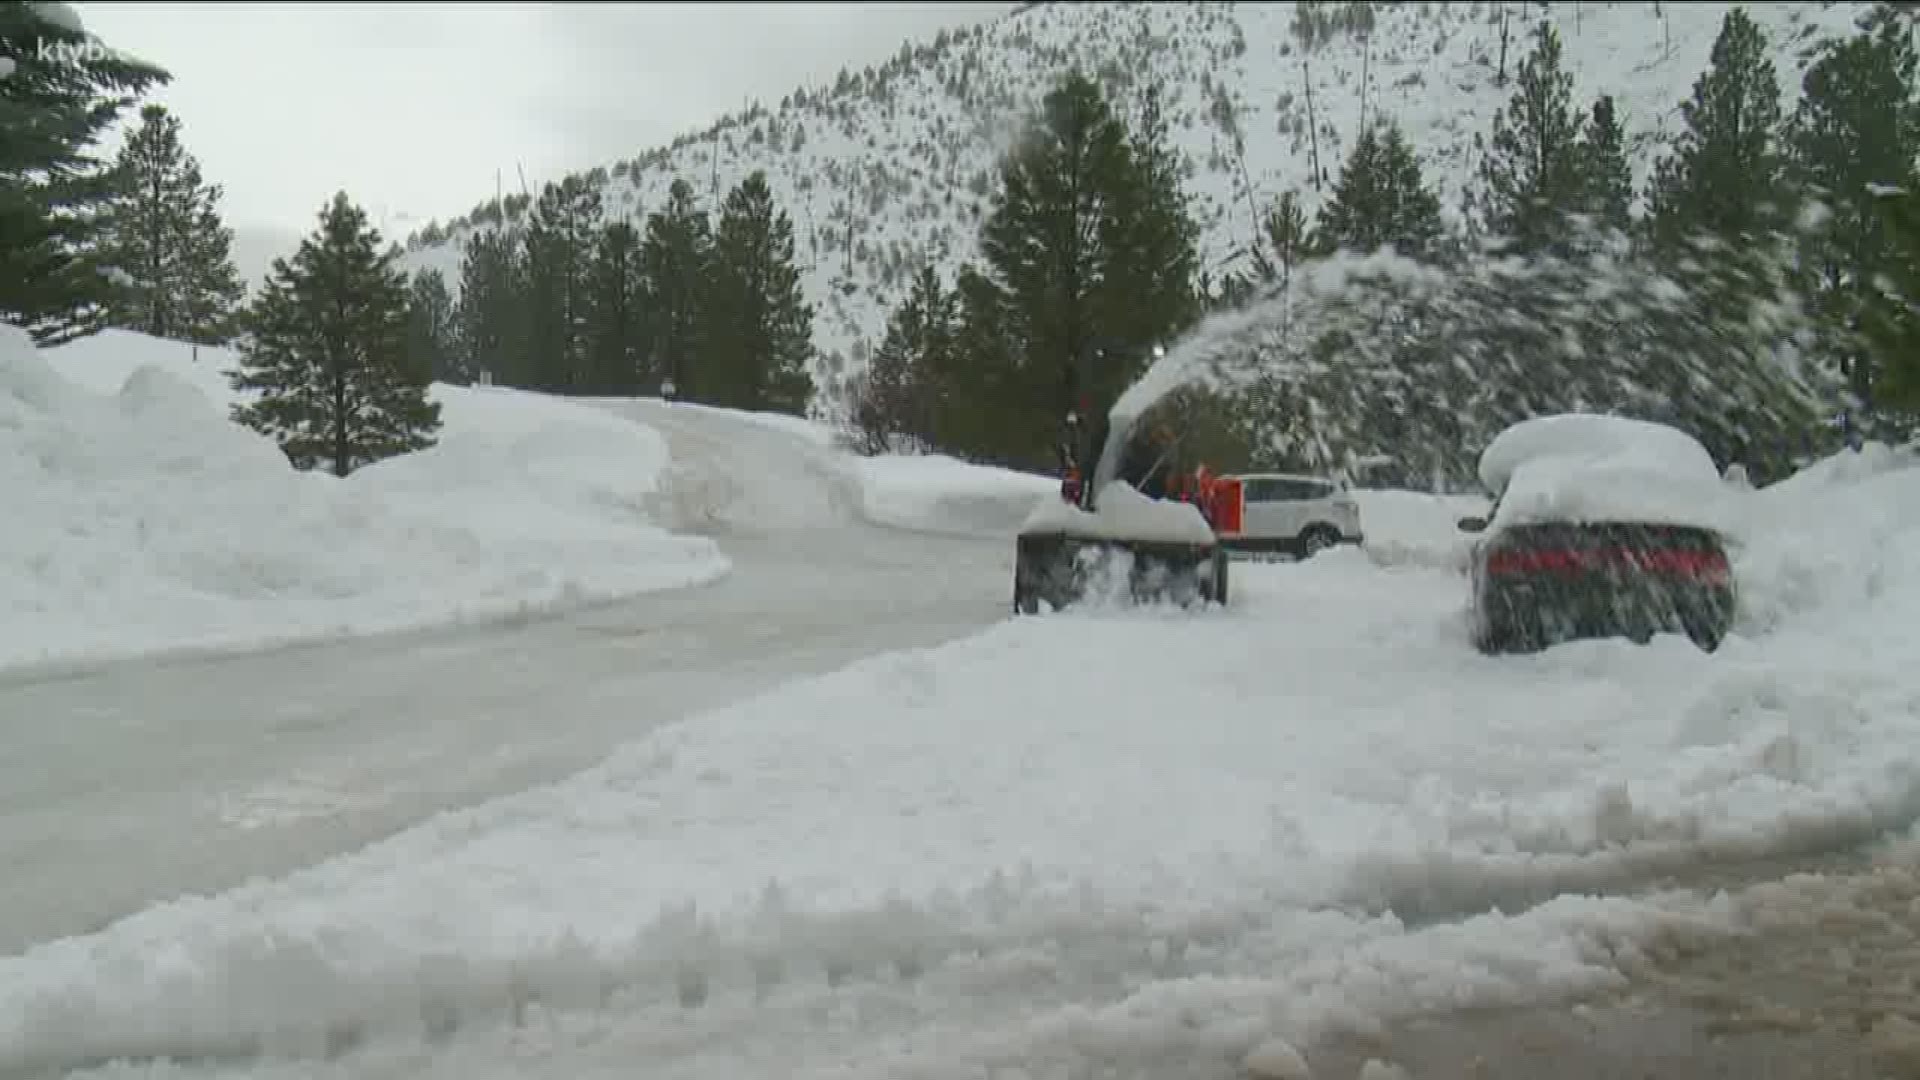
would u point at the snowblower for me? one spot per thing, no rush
(1103, 537)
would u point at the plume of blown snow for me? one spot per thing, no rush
(1366, 353)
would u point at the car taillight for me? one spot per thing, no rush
(1706, 566)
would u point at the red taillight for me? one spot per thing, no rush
(1706, 566)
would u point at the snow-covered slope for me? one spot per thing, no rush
(892, 167)
(1117, 843)
(139, 517)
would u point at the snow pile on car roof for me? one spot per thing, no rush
(1591, 467)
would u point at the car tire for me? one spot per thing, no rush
(1316, 539)
(1701, 632)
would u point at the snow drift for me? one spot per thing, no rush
(944, 494)
(143, 519)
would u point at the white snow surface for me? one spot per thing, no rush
(990, 856)
(1119, 511)
(1590, 467)
(1416, 528)
(933, 491)
(143, 519)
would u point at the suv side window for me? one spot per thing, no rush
(1315, 489)
(1291, 490)
(1262, 489)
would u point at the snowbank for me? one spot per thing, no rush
(142, 519)
(1589, 467)
(1121, 512)
(1824, 549)
(944, 494)
(1416, 528)
(104, 362)
(813, 431)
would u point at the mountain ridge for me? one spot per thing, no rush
(893, 167)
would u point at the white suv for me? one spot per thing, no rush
(1300, 515)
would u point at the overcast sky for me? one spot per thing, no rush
(412, 107)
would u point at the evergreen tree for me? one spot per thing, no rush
(489, 318)
(1288, 236)
(164, 237)
(559, 244)
(327, 351)
(1724, 177)
(1856, 130)
(758, 325)
(1530, 174)
(1890, 312)
(616, 330)
(53, 189)
(900, 392)
(676, 259)
(215, 302)
(1152, 219)
(430, 329)
(1063, 267)
(983, 394)
(1606, 193)
(1381, 200)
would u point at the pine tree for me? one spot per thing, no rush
(1381, 200)
(616, 328)
(1063, 268)
(676, 259)
(984, 394)
(558, 249)
(164, 238)
(53, 188)
(1152, 220)
(489, 319)
(901, 392)
(758, 324)
(430, 332)
(1856, 130)
(1724, 178)
(1606, 193)
(1890, 312)
(215, 302)
(1287, 235)
(327, 351)
(1530, 174)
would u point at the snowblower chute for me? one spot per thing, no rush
(1109, 536)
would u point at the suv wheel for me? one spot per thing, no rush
(1317, 539)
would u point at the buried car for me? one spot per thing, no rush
(1601, 526)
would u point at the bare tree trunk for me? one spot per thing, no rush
(1366, 73)
(1313, 124)
(1500, 75)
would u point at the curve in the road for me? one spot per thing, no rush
(131, 784)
